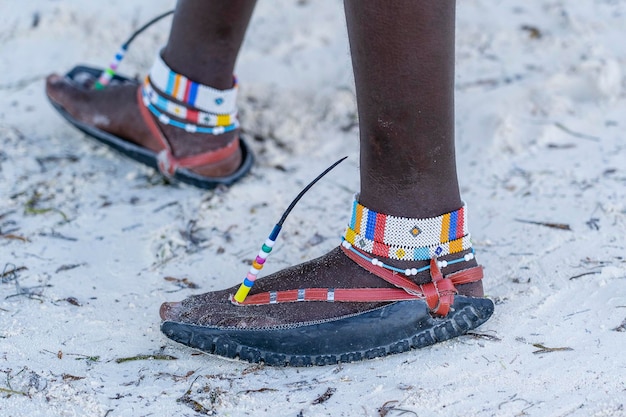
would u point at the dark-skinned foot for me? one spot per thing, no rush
(333, 270)
(115, 110)
(321, 332)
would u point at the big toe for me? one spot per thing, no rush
(60, 90)
(54, 86)
(170, 311)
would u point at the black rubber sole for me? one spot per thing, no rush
(394, 328)
(146, 156)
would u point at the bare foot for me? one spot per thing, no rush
(115, 110)
(333, 270)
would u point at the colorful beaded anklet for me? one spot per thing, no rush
(192, 93)
(407, 232)
(188, 114)
(189, 127)
(409, 239)
(200, 102)
(407, 253)
(408, 271)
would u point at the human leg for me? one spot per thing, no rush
(403, 58)
(203, 46)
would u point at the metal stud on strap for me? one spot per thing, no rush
(164, 162)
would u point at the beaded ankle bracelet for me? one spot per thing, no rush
(404, 238)
(204, 109)
(191, 93)
(189, 127)
(409, 271)
(189, 114)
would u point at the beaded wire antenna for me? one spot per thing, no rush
(257, 264)
(108, 73)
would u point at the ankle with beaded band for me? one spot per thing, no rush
(191, 93)
(188, 114)
(177, 101)
(407, 239)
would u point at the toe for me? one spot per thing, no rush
(170, 311)
(54, 85)
(53, 80)
(60, 90)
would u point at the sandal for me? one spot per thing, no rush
(401, 318)
(407, 322)
(170, 166)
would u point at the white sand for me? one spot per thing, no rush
(540, 124)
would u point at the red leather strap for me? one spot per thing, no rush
(167, 162)
(363, 295)
(467, 276)
(441, 290)
(464, 276)
(390, 276)
(438, 294)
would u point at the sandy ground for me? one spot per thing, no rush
(97, 242)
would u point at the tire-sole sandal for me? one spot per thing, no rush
(163, 161)
(417, 316)
(393, 328)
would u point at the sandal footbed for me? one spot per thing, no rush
(393, 328)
